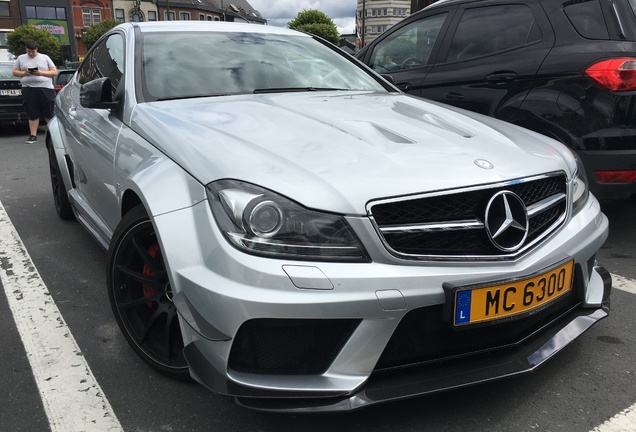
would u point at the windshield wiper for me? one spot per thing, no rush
(192, 96)
(295, 89)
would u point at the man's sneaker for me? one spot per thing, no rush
(32, 139)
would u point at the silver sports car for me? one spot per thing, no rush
(287, 228)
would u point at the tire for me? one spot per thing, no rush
(140, 295)
(60, 196)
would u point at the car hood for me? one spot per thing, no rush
(337, 151)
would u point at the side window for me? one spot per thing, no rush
(587, 19)
(106, 60)
(86, 68)
(483, 31)
(408, 47)
(109, 62)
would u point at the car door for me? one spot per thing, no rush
(490, 57)
(411, 47)
(94, 134)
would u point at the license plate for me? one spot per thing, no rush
(17, 92)
(486, 303)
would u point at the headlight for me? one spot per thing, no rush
(261, 222)
(580, 187)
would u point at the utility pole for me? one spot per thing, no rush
(364, 16)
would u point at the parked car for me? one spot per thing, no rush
(11, 106)
(565, 69)
(302, 237)
(63, 77)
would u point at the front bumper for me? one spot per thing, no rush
(221, 291)
(420, 380)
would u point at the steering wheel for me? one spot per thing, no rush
(412, 62)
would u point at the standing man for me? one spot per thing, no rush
(36, 72)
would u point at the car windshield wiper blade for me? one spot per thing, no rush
(191, 96)
(295, 89)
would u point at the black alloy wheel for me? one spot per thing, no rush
(141, 297)
(60, 197)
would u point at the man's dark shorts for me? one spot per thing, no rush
(38, 102)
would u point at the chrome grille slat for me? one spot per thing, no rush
(545, 204)
(449, 225)
(457, 226)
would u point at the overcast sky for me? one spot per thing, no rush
(280, 12)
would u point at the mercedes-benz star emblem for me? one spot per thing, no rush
(506, 221)
(483, 163)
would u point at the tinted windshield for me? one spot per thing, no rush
(179, 65)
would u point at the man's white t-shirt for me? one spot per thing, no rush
(40, 61)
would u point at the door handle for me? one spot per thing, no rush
(454, 96)
(72, 112)
(501, 76)
(404, 86)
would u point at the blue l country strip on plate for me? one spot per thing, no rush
(479, 304)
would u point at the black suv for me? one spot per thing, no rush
(566, 69)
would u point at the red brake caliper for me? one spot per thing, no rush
(147, 289)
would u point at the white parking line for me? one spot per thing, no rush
(626, 419)
(72, 398)
(624, 284)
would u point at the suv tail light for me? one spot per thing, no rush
(614, 74)
(627, 176)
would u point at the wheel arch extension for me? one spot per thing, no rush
(55, 140)
(129, 201)
(161, 186)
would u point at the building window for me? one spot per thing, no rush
(169, 16)
(91, 16)
(184, 16)
(46, 12)
(136, 16)
(152, 15)
(379, 12)
(399, 12)
(119, 15)
(4, 9)
(201, 17)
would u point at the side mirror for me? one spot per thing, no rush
(98, 94)
(388, 77)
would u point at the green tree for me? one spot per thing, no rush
(317, 23)
(47, 43)
(96, 31)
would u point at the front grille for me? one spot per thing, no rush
(10, 84)
(423, 336)
(451, 225)
(289, 346)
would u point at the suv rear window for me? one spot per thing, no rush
(587, 19)
(483, 31)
